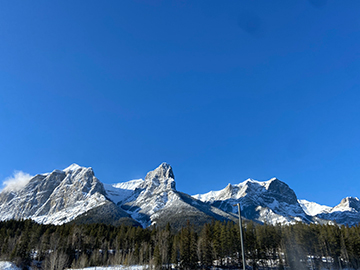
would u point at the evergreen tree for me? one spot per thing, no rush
(206, 247)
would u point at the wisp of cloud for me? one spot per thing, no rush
(17, 181)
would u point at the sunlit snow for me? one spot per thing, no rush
(313, 209)
(8, 266)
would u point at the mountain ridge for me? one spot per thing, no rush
(75, 193)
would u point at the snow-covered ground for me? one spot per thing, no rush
(117, 267)
(8, 266)
(139, 267)
(11, 266)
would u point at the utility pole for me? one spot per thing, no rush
(241, 237)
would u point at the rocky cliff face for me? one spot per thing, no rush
(152, 195)
(156, 200)
(56, 198)
(271, 201)
(75, 194)
(347, 212)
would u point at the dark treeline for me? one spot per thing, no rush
(299, 246)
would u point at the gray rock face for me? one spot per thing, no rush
(56, 198)
(347, 212)
(281, 192)
(75, 193)
(158, 181)
(351, 203)
(272, 201)
(157, 199)
(107, 213)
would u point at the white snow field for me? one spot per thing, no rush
(142, 267)
(11, 266)
(116, 267)
(8, 266)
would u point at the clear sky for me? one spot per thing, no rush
(221, 90)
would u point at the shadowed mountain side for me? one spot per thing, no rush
(249, 212)
(75, 194)
(346, 218)
(190, 210)
(107, 213)
(54, 198)
(271, 201)
(347, 212)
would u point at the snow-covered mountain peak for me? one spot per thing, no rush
(160, 178)
(271, 183)
(155, 193)
(269, 201)
(313, 208)
(279, 189)
(229, 188)
(72, 167)
(62, 195)
(348, 204)
(56, 197)
(229, 192)
(346, 212)
(235, 191)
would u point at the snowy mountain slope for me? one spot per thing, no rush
(107, 213)
(8, 266)
(270, 201)
(185, 209)
(156, 200)
(347, 212)
(348, 204)
(75, 194)
(57, 197)
(313, 208)
(119, 192)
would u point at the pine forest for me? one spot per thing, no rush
(298, 246)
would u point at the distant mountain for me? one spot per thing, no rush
(76, 195)
(347, 212)
(312, 208)
(270, 201)
(57, 197)
(156, 201)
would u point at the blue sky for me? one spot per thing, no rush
(221, 90)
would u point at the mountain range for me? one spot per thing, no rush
(76, 195)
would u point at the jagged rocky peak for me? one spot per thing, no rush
(228, 192)
(74, 177)
(162, 177)
(55, 197)
(352, 203)
(74, 167)
(229, 188)
(46, 182)
(84, 179)
(279, 189)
